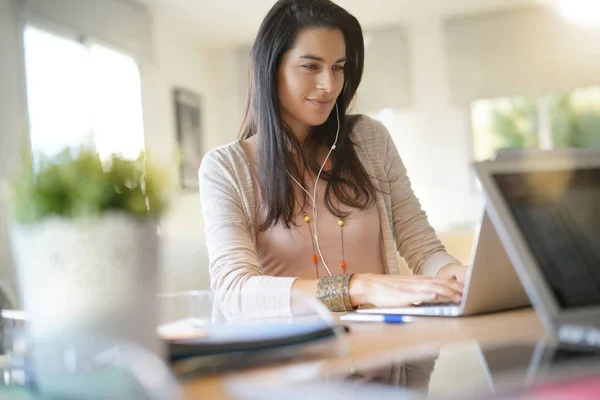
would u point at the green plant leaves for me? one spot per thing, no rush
(82, 185)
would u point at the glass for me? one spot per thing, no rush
(14, 348)
(102, 368)
(185, 314)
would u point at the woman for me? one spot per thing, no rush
(312, 199)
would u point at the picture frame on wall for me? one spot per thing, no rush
(189, 136)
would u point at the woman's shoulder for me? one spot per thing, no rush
(225, 155)
(225, 170)
(226, 159)
(368, 132)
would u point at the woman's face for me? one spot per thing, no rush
(311, 77)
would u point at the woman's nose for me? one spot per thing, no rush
(326, 81)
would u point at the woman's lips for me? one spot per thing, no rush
(320, 103)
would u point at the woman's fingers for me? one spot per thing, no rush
(406, 290)
(427, 292)
(444, 287)
(412, 298)
(445, 300)
(455, 284)
(441, 290)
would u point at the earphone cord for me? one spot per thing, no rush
(314, 196)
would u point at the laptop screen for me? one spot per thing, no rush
(558, 213)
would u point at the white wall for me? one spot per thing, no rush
(180, 62)
(531, 51)
(442, 149)
(386, 76)
(13, 122)
(123, 24)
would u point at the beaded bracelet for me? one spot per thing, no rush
(334, 293)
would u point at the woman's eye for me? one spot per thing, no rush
(310, 66)
(338, 68)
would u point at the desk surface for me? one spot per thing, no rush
(370, 340)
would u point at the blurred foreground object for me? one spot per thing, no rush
(84, 238)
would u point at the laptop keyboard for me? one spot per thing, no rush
(435, 305)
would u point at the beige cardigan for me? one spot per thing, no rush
(228, 207)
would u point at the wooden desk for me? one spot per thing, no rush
(379, 339)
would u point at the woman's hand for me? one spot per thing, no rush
(457, 271)
(402, 291)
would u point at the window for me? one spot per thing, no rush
(575, 118)
(553, 121)
(81, 94)
(503, 123)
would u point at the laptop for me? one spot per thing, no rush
(491, 284)
(547, 216)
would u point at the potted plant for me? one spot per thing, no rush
(85, 244)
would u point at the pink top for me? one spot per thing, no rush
(289, 252)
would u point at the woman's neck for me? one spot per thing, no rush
(299, 129)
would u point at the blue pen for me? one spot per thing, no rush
(387, 318)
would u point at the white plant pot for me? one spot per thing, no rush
(91, 279)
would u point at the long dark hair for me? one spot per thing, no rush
(347, 179)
